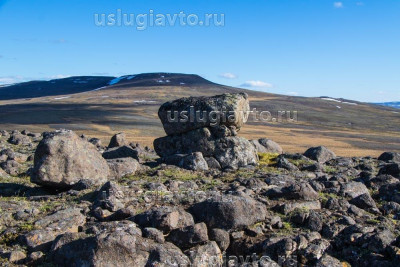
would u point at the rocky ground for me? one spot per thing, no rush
(312, 210)
(206, 198)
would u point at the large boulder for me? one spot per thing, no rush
(320, 154)
(229, 151)
(264, 145)
(184, 114)
(48, 228)
(390, 156)
(62, 158)
(189, 236)
(229, 212)
(120, 247)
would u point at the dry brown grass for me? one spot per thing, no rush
(353, 130)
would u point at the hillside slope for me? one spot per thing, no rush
(130, 104)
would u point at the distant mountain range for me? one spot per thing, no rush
(390, 104)
(79, 84)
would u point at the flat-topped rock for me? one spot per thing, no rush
(186, 114)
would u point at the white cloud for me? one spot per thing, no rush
(19, 79)
(228, 75)
(338, 4)
(11, 80)
(256, 84)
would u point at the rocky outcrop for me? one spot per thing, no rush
(62, 159)
(215, 137)
(235, 109)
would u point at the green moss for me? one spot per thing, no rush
(8, 238)
(181, 175)
(325, 196)
(267, 158)
(329, 169)
(300, 162)
(26, 226)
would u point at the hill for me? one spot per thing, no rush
(130, 104)
(78, 84)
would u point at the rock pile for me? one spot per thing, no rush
(202, 133)
(311, 209)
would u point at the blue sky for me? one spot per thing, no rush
(343, 48)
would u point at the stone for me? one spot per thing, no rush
(365, 201)
(62, 159)
(154, 234)
(118, 140)
(390, 156)
(60, 222)
(328, 261)
(16, 256)
(353, 189)
(320, 154)
(264, 145)
(110, 197)
(235, 107)
(229, 212)
(164, 218)
(116, 248)
(231, 151)
(390, 169)
(194, 161)
(208, 254)
(189, 236)
(283, 163)
(308, 205)
(19, 139)
(221, 237)
(121, 152)
(122, 167)
(11, 167)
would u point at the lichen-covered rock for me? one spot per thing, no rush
(49, 227)
(235, 107)
(194, 161)
(62, 159)
(230, 152)
(164, 218)
(189, 236)
(264, 145)
(120, 247)
(229, 212)
(122, 167)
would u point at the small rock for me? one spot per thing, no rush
(118, 140)
(320, 154)
(189, 236)
(221, 237)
